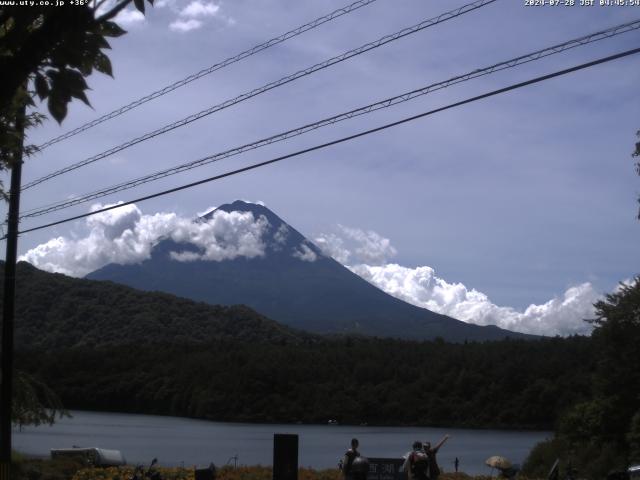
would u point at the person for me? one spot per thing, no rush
(346, 463)
(416, 464)
(456, 464)
(434, 470)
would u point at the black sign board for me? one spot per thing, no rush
(285, 456)
(385, 469)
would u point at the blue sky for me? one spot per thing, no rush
(520, 196)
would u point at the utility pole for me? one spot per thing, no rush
(8, 306)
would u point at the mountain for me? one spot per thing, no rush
(292, 282)
(55, 312)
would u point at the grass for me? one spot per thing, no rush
(65, 469)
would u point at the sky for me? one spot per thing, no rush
(518, 210)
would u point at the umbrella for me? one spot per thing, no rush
(498, 462)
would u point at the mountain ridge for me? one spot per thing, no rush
(54, 311)
(292, 282)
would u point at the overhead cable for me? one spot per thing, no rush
(388, 102)
(343, 139)
(270, 86)
(218, 66)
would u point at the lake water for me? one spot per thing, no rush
(198, 442)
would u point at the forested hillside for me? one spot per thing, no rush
(54, 312)
(376, 381)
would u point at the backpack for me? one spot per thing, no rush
(360, 465)
(419, 462)
(351, 456)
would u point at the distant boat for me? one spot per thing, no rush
(333, 422)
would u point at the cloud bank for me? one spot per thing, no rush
(420, 286)
(367, 253)
(124, 235)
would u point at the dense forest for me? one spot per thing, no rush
(354, 380)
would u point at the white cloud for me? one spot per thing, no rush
(184, 26)
(192, 15)
(373, 249)
(126, 17)
(332, 245)
(304, 253)
(129, 17)
(420, 286)
(352, 243)
(281, 235)
(205, 211)
(198, 9)
(124, 235)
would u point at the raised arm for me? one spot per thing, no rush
(440, 443)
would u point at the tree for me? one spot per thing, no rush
(57, 48)
(48, 51)
(617, 337)
(34, 402)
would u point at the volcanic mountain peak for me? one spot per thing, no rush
(266, 264)
(237, 231)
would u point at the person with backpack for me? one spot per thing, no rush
(416, 465)
(346, 463)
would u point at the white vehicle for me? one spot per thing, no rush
(634, 472)
(98, 457)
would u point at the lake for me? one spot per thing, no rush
(198, 442)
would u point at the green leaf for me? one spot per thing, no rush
(58, 108)
(80, 95)
(97, 41)
(86, 67)
(102, 63)
(42, 86)
(111, 29)
(139, 5)
(73, 80)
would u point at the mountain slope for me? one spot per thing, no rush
(54, 312)
(293, 283)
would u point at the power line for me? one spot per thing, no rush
(584, 40)
(345, 139)
(265, 88)
(218, 66)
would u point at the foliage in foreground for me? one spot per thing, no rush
(71, 469)
(43, 469)
(602, 433)
(229, 473)
(225, 473)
